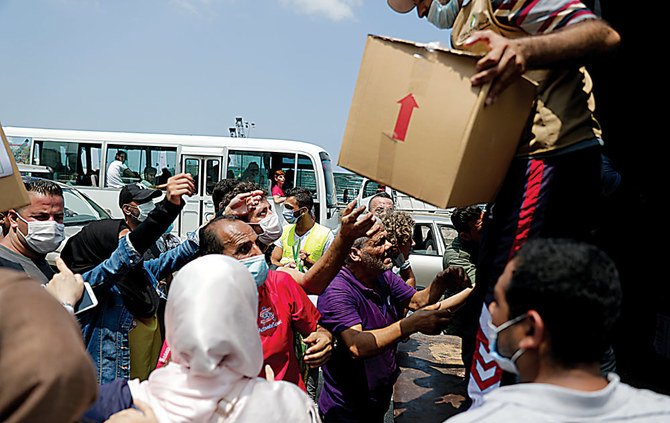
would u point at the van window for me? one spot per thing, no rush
(251, 166)
(211, 174)
(20, 147)
(71, 163)
(306, 176)
(285, 162)
(192, 167)
(150, 165)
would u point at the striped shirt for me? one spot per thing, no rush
(540, 16)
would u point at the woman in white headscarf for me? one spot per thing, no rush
(211, 326)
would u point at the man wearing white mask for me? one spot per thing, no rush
(553, 315)
(248, 202)
(35, 230)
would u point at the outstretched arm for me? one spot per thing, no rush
(509, 58)
(365, 343)
(325, 269)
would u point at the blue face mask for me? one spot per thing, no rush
(443, 15)
(258, 268)
(505, 363)
(290, 217)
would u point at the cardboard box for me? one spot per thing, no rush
(13, 193)
(417, 125)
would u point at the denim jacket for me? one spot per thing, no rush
(105, 327)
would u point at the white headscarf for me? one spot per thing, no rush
(211, 325)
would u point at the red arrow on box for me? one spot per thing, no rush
(407, 105)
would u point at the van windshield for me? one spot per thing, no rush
(331, 197)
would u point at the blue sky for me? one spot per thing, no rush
(191, 66)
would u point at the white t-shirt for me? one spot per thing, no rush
(114, 173)
(541, 402)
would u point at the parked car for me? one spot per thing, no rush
(79, 211)
(432, 233)
(402, 201)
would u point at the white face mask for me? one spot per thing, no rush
(507, 364)
(43, 236)
(144, 209)
(443, 15)
(271, 228)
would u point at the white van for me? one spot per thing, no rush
(81, 159)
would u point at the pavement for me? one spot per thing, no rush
(431, 386)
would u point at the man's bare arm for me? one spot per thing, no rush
(509, 58)
(276, 256)
(325, 269)
(449, 278)
(365, 343)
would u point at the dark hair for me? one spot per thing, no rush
(239, 188)
(210, 243)
(302, 196)
(382, 194)
(43, 187)
(121, 153)
(399, 226)
(463, 217)
(575, 288)
(358, 244)
(220, 190)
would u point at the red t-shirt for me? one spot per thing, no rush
(283, 307)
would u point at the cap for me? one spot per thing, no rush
(401, 6)
(137, 193)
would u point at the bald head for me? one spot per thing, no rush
(230, 237)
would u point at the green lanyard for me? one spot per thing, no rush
(296, 255)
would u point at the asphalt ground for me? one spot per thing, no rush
(432, 385)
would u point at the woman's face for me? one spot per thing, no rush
(280, 179)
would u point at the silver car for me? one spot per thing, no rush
(432, 233)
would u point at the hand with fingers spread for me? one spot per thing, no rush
(178, 186)
(142, 414)
(65, 286)
(244, 203)
(504, 62)
(356, 223)
(320, 347)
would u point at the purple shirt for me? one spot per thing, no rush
(360, 389)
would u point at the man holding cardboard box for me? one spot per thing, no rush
(557, 165)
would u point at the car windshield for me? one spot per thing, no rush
(79, 209)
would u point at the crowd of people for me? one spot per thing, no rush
(250, 319)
